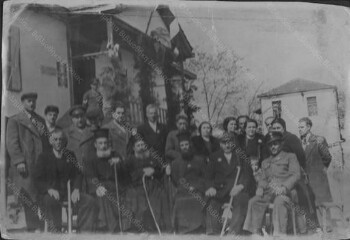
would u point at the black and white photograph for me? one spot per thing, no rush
(175, 120)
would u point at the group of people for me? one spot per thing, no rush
(149, 179)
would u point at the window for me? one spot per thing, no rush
(277, 109)
(312, 106)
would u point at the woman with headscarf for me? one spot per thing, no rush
(205, 144)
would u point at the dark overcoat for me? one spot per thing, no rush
(200, 148)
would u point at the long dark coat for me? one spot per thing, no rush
(24, 143)
(172, 148)
(318, 159)
(156, 193)
(100, 172)
(252, 148)
(189, 178)
(293, 144)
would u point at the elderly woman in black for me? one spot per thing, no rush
(205, 144)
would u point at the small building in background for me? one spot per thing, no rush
(303, 98)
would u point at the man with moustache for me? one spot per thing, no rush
(279, 174)
(24, 142)
(220, 174)
(188, 175)
(53, 170)
(51, 114)
(241, 120)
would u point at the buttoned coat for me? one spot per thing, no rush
(318, 159)
(221, 175)
(24, 144)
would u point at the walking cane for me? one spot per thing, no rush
(69, 209)
(118, 204)
(149, 204)
(230, 204)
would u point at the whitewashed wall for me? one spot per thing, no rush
(36, 52)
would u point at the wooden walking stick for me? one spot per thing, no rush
(149, 205)
(228, 213)
(69, 209)
(118, 203)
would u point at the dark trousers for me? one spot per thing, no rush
(31, 211)
(87, 213)
(214, 212)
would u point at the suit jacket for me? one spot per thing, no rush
(318, 159)
(199, 146)
(119, 138)
(46, 173)
(157, 139)
(253, 148)
(221, 175)
(293, 144)
(24, 143)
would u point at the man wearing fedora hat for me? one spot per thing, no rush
(278, 176)
(24, 143)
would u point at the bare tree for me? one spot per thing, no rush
(217, 81)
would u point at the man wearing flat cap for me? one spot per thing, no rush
(220, 177)
(276, 181)
(76, 132)
(187, 173)
(24, 142)
(103, 165)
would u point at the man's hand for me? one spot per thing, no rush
(211, 192)
(75, 195)
(167, 170)
(235, 190)
(101, 191)
(54, 193)
(259, 191)
(21, 168)
(148, 171)
(114, 160)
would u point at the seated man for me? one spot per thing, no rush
(278, 176)
(142, 166)
(220, 177)
(187, 173)
(53, 170)
(102, 167)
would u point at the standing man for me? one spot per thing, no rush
(154, 135)
(77, 131)
(172, 147)
(51, 114)
(152, 132)
(241, 120)
(24, 142)
(318, 160)
(220, 177)
(188, 174)
(53, 171)
(92, 99)
(119, 133)
(278, 177)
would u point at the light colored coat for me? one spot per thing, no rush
(318, 159)
(119, 138)
(24, 144)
